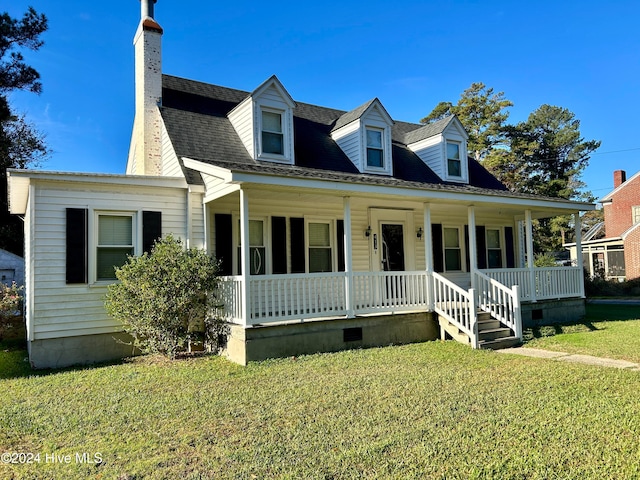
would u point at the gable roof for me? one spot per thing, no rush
(428, 130)
(195, 116)
(623, 185)
(356, 113)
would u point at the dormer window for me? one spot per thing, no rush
(375, 152)
(454, 165)
(272, 135)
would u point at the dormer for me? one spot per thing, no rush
(264, 123)
(364, 135)
(442, 146)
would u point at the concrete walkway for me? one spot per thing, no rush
(569, 357)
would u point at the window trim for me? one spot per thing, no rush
(447, 159)
(285, 117)
(367, 147)
(94, 240)
(635, 214)
(332, 246)
(460, 248)
(263, 130)
(501, 238)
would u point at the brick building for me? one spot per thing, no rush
(617, 254)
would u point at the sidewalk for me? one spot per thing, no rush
(574, 358)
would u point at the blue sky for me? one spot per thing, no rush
(584, 56)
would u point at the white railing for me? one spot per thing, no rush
(548, 282)
(457, 306)
(296, 296)
(502, 302)
(389, 292)
(227, 301)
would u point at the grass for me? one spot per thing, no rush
(608, 331)
(434, 410)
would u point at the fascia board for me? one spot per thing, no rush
(218, 172)
(364, 189)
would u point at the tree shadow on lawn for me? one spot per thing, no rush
(558, 329)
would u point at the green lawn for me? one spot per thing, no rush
(433, 410)
(608, 331)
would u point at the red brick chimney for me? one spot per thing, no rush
(619, 177)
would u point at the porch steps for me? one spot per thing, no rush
(490, 332)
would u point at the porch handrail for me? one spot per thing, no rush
(227, 301)
(457, 305)
(390, 291)
(548, 282)
(502, 302)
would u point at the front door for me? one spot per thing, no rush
(392, 248)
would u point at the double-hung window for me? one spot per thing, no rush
(454, 165)
(452, 249)
(320, 258)
(375, 152)
(272, 133)
(635, 214)
(115, 243)
(494, 248)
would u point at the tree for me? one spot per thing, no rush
(482, 113)
(162, 298)
(21, 145)
(546, 156)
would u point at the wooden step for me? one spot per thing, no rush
(500, 343)
(488, 324)
(494, 333)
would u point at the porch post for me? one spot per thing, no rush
(532, 273)
(578, 233)
(428, 254)
(473, 246)
(244, 252)
(348, 260)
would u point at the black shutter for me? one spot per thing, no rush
(481, 242)
(279, 244)
(151, 229)
(438, 252)
(508, 240)
(224, 242)
(297, 245)
(77, 250)
(340, 245)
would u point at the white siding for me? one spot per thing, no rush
(170, 164)
(348, 139)
(241, 118)
(61, 310)
(197, 221)
(431, 152)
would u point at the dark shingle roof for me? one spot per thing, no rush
(195, 115)
(428, 130)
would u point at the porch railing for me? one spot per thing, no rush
(543, 284)
(390, 291)
(457, 305)
(502, 302)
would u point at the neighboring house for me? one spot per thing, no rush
(11, 268)
(335, 229)
(616, 256)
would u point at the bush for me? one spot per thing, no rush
(162, 298)
(599, 287)
(10, 303)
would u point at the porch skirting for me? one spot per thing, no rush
(328, 335)
(552, 312)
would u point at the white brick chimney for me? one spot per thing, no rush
(145, 153)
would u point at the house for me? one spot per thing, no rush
(616, 256)
(11, 268)
(335, 229)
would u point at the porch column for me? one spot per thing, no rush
(473, 246)
(529, 239)
(348, 259)
(578, 233)
(428, 253)
(245, 255)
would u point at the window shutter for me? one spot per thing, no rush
(466, 248)
(340, 244)
(481, 241)
(224, 243)
(508, 245)
(279, 244)
(438, 251)
(77, 250)
(151, 229)
(297, 245)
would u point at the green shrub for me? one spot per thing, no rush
(599, 287)
(544, 260)
(10, 303)
(162, 298)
